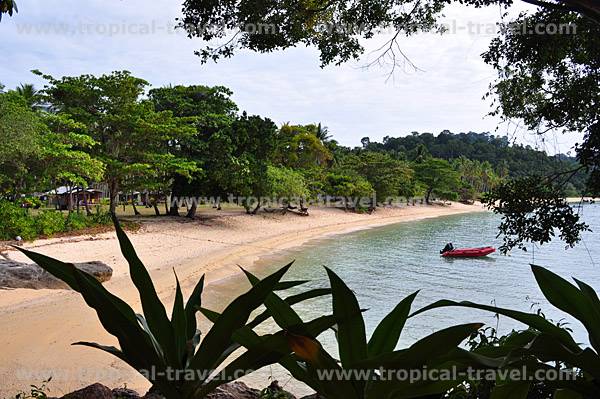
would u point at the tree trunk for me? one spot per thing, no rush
(175, 194)
(428, 195)
(156, 211)
(70, 200)
(173, 210)
(192, 211)
(86, 198)
(255, 211)
(77, 199)
(135, 211)
(113, 188)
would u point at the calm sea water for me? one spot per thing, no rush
(384, 265)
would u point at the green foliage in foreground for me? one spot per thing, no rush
(311, 362)
(545, 343)
(18, 221)
(168, 351)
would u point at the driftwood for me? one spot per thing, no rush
(284, 210)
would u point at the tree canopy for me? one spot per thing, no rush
(130, 133)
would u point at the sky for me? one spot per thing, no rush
(73, 37)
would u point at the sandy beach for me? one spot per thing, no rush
(38, 326)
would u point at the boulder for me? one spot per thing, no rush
(124, 393)
(25, 275)
(95, 391)
(235, 390)
(275, 391)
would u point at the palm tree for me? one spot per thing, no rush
(322, 133)
(7, 7)
(30, 94)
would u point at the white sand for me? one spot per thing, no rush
(37, 327)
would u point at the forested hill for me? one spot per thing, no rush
(506, 158)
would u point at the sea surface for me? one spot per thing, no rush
(385, 264)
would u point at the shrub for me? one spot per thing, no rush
(31, 202)
(99, 219)
(48, 223)
(158, 346)
(547, 345)
(15, 222)
(76, 221)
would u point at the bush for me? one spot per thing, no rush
(100, 219)
(31, 202)
(48, 223)
(76, 221)
(15, 222)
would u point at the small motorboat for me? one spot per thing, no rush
(468, 252)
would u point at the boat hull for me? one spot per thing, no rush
(469, 252)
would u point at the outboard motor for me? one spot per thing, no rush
(448, 247)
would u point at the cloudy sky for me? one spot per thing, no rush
(71, 37)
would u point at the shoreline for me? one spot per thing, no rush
(215, 244)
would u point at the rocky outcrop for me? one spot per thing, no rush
(234, 390)
(25, 275)
(96, 391)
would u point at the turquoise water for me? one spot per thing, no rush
(384, 265)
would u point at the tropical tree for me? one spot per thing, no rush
(322, 133)
(132, 136)
(65, 156)
(30, 94)
(389, 177)
(437, 176)
(287, 185)
(8, 7)
(550, 83)
(286, 25)
(20, 134)
(353, 191)
(301, 147)
(209, 110)
(252, 142)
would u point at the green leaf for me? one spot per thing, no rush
(511, 390)
(60, 270)
(281, 311)
(179, 324)
(386, 335)
(352, 339)
(291, 300)
(192, 306)
(154, 311)
(547, 349)
(426, 349)
(568, 298)
(233, 318)
(119, 320)
(110, 349)
(533, 320)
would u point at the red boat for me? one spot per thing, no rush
(469, 252)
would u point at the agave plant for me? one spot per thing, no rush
(545, 343)
(169, 352)
(356, 375)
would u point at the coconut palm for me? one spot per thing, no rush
(7, 7)
(30, 94)
(322, 133)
